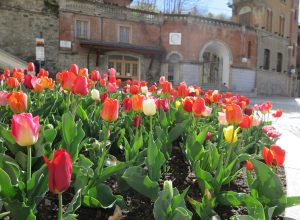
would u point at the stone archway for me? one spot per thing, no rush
(215, 61)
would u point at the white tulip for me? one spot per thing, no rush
(95, 94)
(144, 89)
(149, 107)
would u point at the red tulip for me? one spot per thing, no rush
(103, 82)
(246, 123)
(249, 165)
(208, 136)
(187, 104)
(103, 96)
(182, 89)
(6, 73)
(153, 88)
(134, 89)
(110, 110)
(25, 129)
(74, 69)
(68, 80)
(60, 171)
(127, 104)
(278, 113)
(30, 67)
(17, 101)
(81, 86)
(27, 82)
(248, 111)
(166, 87)
(137, 121)
(128, 82)
(274, 155)
(12, 82)
(95, 75)
(234, 114)
(198, 107)
(162, 103)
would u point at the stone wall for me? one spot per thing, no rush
(22, 21)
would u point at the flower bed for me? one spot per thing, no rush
(108, 144)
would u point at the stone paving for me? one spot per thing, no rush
(289, 126)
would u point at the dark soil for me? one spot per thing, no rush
(141, 207)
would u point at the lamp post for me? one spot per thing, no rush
(40, 49)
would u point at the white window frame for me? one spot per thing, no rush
(130, 33)
(88, 28)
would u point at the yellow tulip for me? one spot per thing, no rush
(177, 104)
(230, 135)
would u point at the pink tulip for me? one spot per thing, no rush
(222, 118)
(81, 86)
(3, 97)
(111, 87)
(25, 129)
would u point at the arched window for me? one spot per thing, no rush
(267, 59)
(245, 16)
(173, 66)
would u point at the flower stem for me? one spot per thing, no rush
(59, 206)
(28, 163)
(151, 124)
(68, 100)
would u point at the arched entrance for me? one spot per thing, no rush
(215, 60)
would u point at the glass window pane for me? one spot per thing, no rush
(134, 69)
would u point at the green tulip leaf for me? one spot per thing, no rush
(73, 205)
(37, 186)
(19, 211)
(100, 196)
(69, 131)
(177, 131)
(7, 190)
(136, 178)
(292, 201)
(269, 187)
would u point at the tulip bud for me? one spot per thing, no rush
(30, 67)
(149, 107)
(60, 171)
(127, 104)
(249, 165)
(25, 129)
(74, 69)
(137, 121)
(95, 94)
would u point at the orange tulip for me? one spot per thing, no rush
(17, 101)
(110, 110)
(234, 114)
(12, 82)
(19, 76)
(137, 102)
(274, 155)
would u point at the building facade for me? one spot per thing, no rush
(255, 53)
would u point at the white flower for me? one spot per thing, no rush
(95, 94)
(149, 107)
(144, 89)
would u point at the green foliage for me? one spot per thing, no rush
(170, 204)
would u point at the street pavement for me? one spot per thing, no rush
(289, 126)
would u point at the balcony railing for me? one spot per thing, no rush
(95, 7)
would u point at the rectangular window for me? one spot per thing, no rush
(82, 29)
(279, 62)
(124, 34)
(281, 25)
(269, 20)
(266, 59)
(249, 49)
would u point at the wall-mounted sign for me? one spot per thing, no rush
(39, 49)
(65, 44)
(175, 38)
